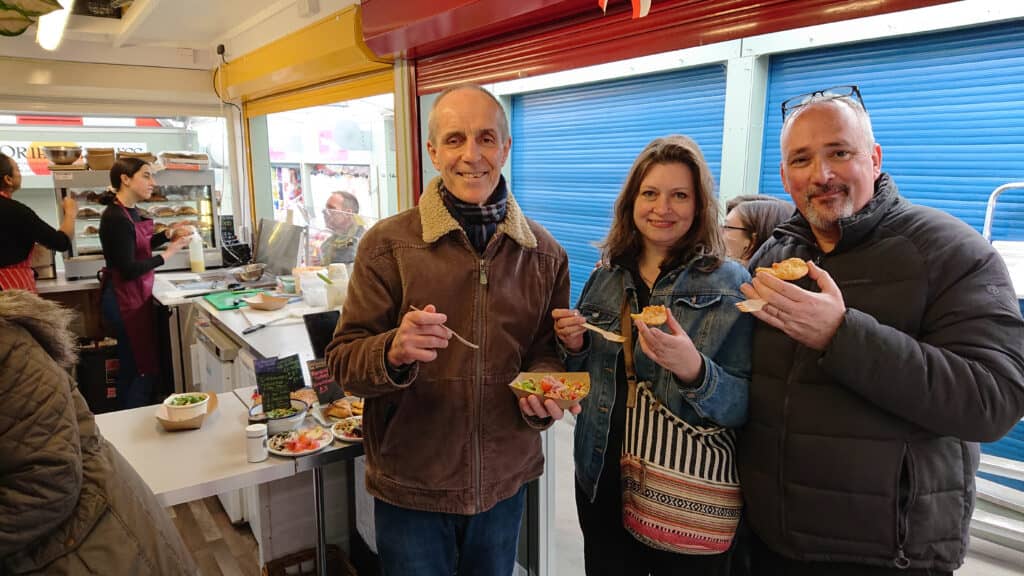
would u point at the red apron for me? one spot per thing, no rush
(18, 276)
(134, 301)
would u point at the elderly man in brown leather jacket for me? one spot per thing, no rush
(449, 450)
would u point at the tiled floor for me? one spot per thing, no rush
(569, 540)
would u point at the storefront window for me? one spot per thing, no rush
(329, 168)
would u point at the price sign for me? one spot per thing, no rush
(327, 390)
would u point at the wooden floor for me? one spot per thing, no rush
(219, 548)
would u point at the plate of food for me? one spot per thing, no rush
(343, 408)
(300, 442)
(348, 429)
(565, 388)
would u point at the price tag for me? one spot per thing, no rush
(327, 390)
(61, 176)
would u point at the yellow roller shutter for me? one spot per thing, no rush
(323, 63)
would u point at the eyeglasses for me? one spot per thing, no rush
(332, 212)
(740, 228)
(833, 93)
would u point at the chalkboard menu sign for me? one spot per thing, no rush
(291, 367)
(276, 378)
(327, 390)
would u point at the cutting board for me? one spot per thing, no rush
(229, 300)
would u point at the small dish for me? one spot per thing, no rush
(348, 429)
(192, 423)
(566, 388)
(264, 301)
(186, 405)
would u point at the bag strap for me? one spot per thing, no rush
(627, 351)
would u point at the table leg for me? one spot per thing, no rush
(321, 521)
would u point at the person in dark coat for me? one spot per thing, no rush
(877, 374)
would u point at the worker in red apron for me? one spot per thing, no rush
(126, 234)
(21, 229)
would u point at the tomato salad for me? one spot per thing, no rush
(555, 387)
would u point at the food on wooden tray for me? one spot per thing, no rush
(90, 231)
(565, 389)
(88, 212)
(157, 197)
(93, 196)
(186, 211)
(652, 315)
(788, 269)
(159, 228)
(164, 211)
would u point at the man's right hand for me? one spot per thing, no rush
(569, 328)
(419, 336)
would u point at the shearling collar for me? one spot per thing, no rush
(437, 221)
(46, 321)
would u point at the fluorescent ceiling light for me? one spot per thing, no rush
(50, 27)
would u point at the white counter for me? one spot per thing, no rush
(189, 465)
(62, 284)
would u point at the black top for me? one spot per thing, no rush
(21, 228)
(117, 236)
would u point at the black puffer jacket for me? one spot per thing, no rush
(866, 453)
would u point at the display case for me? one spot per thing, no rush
(179, 196)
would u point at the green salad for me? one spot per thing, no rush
(281, 412)
(187, 399)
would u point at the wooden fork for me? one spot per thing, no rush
(750, 305)
(454, 333)
(609, 336)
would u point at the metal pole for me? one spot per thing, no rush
(321, 521)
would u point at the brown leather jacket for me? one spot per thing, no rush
(450, 437)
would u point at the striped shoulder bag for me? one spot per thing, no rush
(680, 488)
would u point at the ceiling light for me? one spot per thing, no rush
(50, 27)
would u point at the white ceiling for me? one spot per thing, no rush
(176, 33)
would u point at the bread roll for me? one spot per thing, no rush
(652, 315)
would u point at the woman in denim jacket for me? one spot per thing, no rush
(664, 247)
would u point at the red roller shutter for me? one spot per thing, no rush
(593, 38)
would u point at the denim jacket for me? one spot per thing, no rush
(704, 305)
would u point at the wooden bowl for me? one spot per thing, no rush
(265, 301)
(583, 378)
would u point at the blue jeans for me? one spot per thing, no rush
(133, 390)
(417, 543)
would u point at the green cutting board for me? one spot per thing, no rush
(229, 300)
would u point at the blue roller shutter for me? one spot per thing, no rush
(947, 109)
(572, 148)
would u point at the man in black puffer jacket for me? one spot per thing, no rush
(875, 376)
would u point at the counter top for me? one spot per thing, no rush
(282, 338)
(62, 284)
(191, 464)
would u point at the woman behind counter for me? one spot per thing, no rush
(127, 237)
(21, 229)
(664, 248)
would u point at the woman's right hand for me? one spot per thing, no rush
(569, 328)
